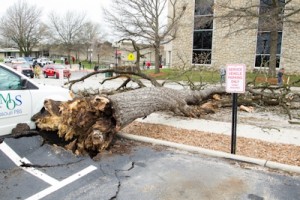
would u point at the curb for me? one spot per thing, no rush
(260, 162)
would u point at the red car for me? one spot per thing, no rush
(55, 70)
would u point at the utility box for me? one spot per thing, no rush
(108, 74)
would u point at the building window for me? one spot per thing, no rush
(265, 26)
(203, 31)
(263, 49)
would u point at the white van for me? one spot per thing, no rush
(21, 98)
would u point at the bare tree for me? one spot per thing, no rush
(22, 25)
(143, 20)
(90, 34)
(68, 29)
(270, 15)
(137, 48)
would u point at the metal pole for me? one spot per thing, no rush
(90, 59)
(169, 58)
(234, 122)
(116, 57)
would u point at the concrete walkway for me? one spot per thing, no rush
(282, 135)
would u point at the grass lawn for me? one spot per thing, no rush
(203, 76)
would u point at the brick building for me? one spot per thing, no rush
(203, 38)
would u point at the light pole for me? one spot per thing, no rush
(91, 54)
(169, 58)
(116, 57)
(115, 45)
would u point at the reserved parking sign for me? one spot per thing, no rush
(235, 78)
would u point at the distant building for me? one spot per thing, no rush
(4, 52)
(101, 53)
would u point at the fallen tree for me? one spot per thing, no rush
(90, 122)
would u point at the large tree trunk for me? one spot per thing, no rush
(273, 51)
(90, 123)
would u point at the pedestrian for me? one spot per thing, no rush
(79, 65)
(66, 61)
(148, 64)
(222, 75)
(96, 68)
(37, 71)
(34, 64)
(280, 76)
(144, 64)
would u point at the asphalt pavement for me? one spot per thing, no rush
(32, 170)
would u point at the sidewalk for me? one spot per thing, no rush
(282, 135)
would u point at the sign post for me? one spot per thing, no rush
(235, 83)
(61, 76)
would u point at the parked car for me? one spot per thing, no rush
(55, 70)
(21, 98)
(44, 61)
(8, 59)
(18, 60)
(24, 68)
(30, 60)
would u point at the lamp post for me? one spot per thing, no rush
(115, 45)
(116, 57)
(169, 58)
(91, 55)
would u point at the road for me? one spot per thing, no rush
(93, 82)
(137, 171)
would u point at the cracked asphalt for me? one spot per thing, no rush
(143, 171)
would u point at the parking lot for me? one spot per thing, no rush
(33, 169)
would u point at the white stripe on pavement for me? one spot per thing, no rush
(62, 183)
(55, 184)
(17, 160)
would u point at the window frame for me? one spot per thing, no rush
(203, 51)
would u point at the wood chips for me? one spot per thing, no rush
(282, 153)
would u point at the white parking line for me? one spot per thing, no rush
(55, 184)
(17, 160)
(62, 183)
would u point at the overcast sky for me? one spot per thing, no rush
(91, 7)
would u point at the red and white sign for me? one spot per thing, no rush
(235, 78)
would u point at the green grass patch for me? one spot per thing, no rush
(204, 76)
